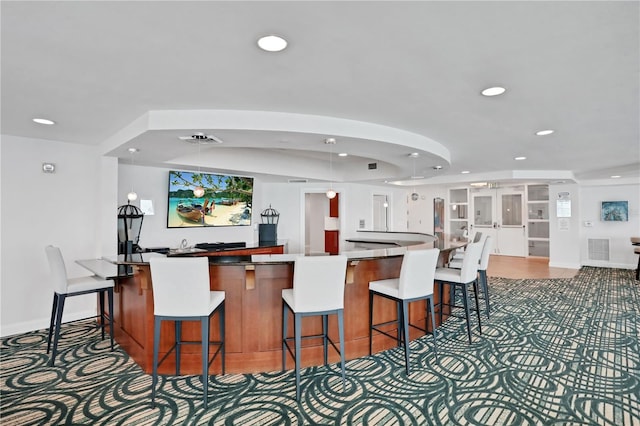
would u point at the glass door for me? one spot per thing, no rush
(511, 228)
(499, 213)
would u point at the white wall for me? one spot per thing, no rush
(420, 211)
(568, 247)
(356, 203)
(64, 209)
(620, 249)
(563, 242)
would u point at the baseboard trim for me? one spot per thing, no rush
(564, 265)
(597, 264)
(7, 330)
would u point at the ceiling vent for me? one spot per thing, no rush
(298, 180)
(373, 166)
(201, 139)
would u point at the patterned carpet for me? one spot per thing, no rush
(555, 352)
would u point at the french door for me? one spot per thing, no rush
(499, 213)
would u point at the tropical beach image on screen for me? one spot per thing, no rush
(616, 211)
(203, 199)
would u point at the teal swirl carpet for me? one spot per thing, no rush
(555, 352)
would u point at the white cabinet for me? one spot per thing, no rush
(458, 212)
(538, 220)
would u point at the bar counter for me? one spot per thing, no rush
(253, 285)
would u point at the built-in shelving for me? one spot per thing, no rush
(458, 212)
(538, 220)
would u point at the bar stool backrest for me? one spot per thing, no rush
(417, 273)
(58, 270)
(180, 286)
(486, 252)
(318, 283)
(471, 262)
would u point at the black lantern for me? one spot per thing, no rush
(268, 229)
(129, 227)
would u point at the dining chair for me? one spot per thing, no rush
(461, 279)
(64, 287)
(181, 292)
(414, 283)
(318, 290)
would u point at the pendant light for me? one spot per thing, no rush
(330, 192)
(198, 191)
(132, 196)
(414, 194)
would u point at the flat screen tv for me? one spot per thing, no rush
(225, 200)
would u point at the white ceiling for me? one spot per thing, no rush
(384, 78)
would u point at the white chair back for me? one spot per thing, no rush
(58, 270)
(318, 283)
(180, 286)
(486, 252)
(417, 273)
(471, 262)
(477, 237)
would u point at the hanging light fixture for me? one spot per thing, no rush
(132, 196)
(198, 191)
(414, 194)
(330, 192)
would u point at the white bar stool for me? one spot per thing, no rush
(68, 287)
(318, 289)
(181, 292)
(482, 270)
(415, 283)
(461, 278)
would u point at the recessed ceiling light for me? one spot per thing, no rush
(272, 43)
(615, 176)
(437, 167)
(479, 184)
(414, 155)
(465, 172)
(342, 154)
(132, 150)
(44, 121)
(544, 132)
(493, 91)
(520, 158)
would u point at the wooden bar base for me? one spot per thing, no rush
(253, 318)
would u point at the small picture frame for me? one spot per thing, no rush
(614, 211)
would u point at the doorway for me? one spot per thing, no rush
(380, 213)
(499, 213)
(316, 208)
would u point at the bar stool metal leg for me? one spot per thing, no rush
(341, 336)
(56, 334)
(204, 329)
(297, 326)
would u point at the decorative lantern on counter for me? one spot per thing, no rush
(129, 226)
(268, 229)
